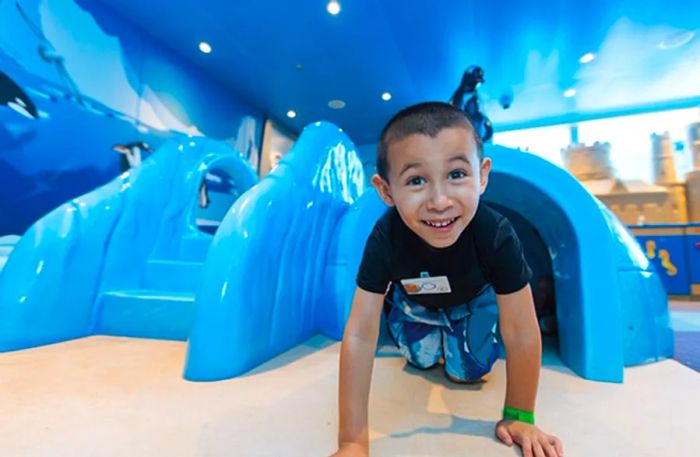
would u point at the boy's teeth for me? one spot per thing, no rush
(440, 224)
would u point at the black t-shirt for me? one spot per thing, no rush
(487, 252)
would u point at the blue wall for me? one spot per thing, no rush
(101, 82)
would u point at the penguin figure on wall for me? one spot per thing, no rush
(131, 154)
(13, 97)
(203, 194)
(219, 182)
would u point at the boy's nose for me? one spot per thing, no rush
(439, 201)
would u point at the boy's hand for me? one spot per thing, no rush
(533, 441)
(351, 450)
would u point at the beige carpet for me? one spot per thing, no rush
(104, 396)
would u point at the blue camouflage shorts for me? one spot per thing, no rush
(464, 335)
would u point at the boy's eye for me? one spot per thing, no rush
(415, 181)
(457, 174)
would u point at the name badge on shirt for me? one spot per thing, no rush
(427, 285)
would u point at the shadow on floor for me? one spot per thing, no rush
(309, 347)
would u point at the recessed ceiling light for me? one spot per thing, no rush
(336, 104)
(386, 96)
(568, 93)
(587, 57)
(291, 114)
(333, 7)
(204, 47)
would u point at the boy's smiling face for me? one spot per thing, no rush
(435, 183)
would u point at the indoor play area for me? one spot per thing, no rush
(181, 230)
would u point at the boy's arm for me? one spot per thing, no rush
(356, 361)
(521, 336)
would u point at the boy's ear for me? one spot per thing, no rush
(485, 171)
(382, 189)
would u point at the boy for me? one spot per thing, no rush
(455, 267)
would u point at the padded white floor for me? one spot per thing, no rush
(104, 396)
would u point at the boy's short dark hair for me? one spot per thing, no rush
(428, 118)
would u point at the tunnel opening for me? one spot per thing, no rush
(581, 251)
(217, 192)
(542, 282)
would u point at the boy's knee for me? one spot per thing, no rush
(467, 371)
(420, 358)
(462, 366)
(465, 379)
(422, 363)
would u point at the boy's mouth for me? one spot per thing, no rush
(440, 223)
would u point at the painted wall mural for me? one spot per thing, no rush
(84, 96)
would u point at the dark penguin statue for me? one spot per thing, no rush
(472, 77)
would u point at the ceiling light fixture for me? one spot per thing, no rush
(333, 7)
(336, 104)
(291, 114)
(386, 96)
(568, 93)
(204, 47)
(587, 57)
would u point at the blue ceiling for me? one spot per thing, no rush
(282, 55)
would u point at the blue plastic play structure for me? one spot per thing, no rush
(299, 237)
(282, 265)
(612, 310)
(291, 275)
(124, 259)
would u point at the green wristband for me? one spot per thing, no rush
(515, 414)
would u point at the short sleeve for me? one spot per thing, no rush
(509, 270)
(374, 275)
